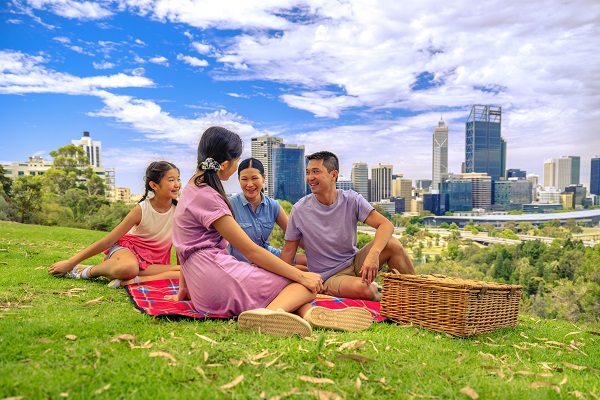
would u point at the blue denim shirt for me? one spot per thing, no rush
(258, 226)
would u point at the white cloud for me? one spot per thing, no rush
(103, 65)
(62, 39)
(193, 61)
(159, 60)
(202, 48)
(238, 96)
(70, 9)
(22, 73)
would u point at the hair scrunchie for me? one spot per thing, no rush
(210, 164)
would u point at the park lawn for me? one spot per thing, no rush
(62, 338)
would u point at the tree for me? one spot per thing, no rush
(453, 226)
(27, 196)
(94, 185)
(509, 234)
(411, 229)
(363, 239)
(5, 183)
(66, 169)
(69, 158)
(444, 225)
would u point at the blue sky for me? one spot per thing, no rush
(366, 80)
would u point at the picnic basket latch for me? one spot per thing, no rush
(510, 294)
(482, 292)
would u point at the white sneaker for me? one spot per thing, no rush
(343, 319)
(274, 322)
(77, 272)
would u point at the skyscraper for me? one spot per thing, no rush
(575, 169)
(381, 182)
(288, 172)
(402, 187)
(595, 176)
(485, 148)
(558, 172)
(261, 148)
(93, 149)
(562, 175)
(360, 179)
(440, 154)
(549, 172)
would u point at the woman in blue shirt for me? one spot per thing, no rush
(256, 213)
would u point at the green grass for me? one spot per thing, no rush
(38, 358)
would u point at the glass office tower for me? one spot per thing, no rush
(288, 172)
(485, 149)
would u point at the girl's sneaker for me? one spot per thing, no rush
(78, 272)
(274, 322)
(117, 283)
(343, 319)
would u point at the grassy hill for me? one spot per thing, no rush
(62, 338)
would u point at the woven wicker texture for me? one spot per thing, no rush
(459, 307)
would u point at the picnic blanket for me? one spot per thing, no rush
(149, 298)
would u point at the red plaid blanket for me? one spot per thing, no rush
(149, 297)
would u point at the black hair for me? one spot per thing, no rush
(330, 160)
(221, 145)
(252, 163)
(154, 173)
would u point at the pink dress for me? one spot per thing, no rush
(218, 283)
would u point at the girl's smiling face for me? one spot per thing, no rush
(251, 182)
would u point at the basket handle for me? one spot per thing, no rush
(512, 292)
(395, 271)
(483, 291)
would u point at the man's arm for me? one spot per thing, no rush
(289, 251)
(383, 233)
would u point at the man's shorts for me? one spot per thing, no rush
(332, 285)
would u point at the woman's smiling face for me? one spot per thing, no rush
(251, 182)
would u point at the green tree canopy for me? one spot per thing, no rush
(27, 196)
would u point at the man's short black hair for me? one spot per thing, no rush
(330, 160)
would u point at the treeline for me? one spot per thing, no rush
(67, 194)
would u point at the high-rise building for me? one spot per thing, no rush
(512, 194)
(575, 169)
(402, 187)
(360, 179)
(288, 172)
(481, 195)
(595, 176)
(558, 172)
(261, 149)
(549, 172)
(579, 195)
(440, 154)
(93, 149)
(425, 184)
(485, 148)
(456, 194)
(343, 183)
(563, 173)
(516, 173)
(381, 182)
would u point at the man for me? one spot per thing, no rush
(326, 221)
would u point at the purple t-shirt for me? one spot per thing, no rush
(328, 232)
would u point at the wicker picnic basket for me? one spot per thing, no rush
(459, 307)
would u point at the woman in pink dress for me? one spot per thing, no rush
(269, 294)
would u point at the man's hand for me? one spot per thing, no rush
(369, 269)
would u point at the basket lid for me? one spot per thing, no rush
(443, 280)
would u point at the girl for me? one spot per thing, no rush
(256, 213)
(216, 281)
(139, 248)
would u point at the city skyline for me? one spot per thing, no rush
(368, 83)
